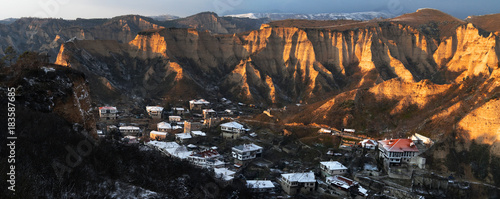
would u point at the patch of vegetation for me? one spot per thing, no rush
(495, 169)
(479, 158)
(348, 104)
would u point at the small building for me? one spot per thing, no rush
(108, 113)
(198, 105)
(209, 113)
(294, 183)
(324, 131)
(245, 152)
(171, 149)
(155, 111)
(331, 168)
(349, 130)
(100, 134)
(183, 137)
(232, 130)
(369, 144)
(192, 126)
(130, 139)
(178, 111)
(260, 186)
(198, 134)
(224, 174)
(129, 130)
(164, 127)
(174, 118)
(156, 135)
(420, 139)
(397, 151)
(343, 187)
(206, 159)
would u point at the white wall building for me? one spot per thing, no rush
(260, 185)
(198, 105)
(164, 127)
(332, 168)
(129, 129)
(293, 183)
(245, 152)
(232, 130)
(108, 113)
(155, 111)
(206, 159)
(397, 151)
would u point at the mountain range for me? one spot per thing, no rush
(424, 72)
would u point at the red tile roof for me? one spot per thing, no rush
(399, 145)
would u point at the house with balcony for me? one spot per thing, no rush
(246, 152)
(206, 159)
(397, 151)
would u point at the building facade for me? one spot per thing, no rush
(397, 151)
(293, 183)
(108, 113)
(332, 168)
(246, 152)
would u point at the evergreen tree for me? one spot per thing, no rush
(10, 54)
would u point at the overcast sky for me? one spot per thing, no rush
(71, 9)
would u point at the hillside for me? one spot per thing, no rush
(47, 35)
(424, 72)
(59, 156)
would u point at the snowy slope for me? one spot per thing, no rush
(321, 16)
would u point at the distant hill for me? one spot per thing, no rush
(361, 16)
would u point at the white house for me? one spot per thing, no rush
(198, 134)
(108, 112)
(260, 185)
(183, 137)
(293, 183)
(206, 159)
(349, 130)
(155, 111)
(324, 131)
(343, 186)
(129, 129)
(171, 149)
(198, 105)
(224, 174)
(174, 118)
(331, 168)
(164, 127)
(417, 138)
(232, 130)
(369, 144)
(397, 151)
(246, 152)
